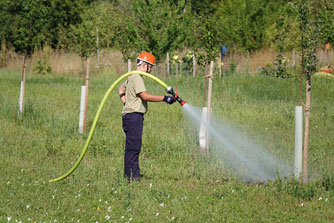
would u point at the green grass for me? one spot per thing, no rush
(178, 184)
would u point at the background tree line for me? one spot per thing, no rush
(158, 26)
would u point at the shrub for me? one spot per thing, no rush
(328, 182)
(42, 66)
(3, 59)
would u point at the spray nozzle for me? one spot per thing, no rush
(175, 96)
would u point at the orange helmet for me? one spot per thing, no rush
(145, 57)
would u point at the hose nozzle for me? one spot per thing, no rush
(170, 90)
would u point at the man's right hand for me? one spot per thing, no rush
(169, 100)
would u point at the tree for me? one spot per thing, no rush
(208, 40)
(240, 23)
(81, 39)
(252, 24)
(29, 18)
(62, 14)
(163, 26)
(309, 29)
(104, 17)
(127, 39)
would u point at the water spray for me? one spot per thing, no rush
(170, 90)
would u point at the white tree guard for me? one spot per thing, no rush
(82, 109)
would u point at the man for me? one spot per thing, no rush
(134, 97)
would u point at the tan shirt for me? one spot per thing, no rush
(133, 86)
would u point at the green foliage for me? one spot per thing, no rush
(282, 31)
(105, 19)
(309, 28)
(204, 7)
(127, 39)
(29, 18)
(81, 38)
(3, 53)
(232, 69)
(242, 23)
(3, 59)
(42, 66)
(61, 15)
(281, 61)
(208, 40)
(187, 61)
(159, 26)
(325, 16)
(162, 26)
(268, 70)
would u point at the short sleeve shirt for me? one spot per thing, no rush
(133, 86)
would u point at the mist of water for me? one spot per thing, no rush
(240, 155)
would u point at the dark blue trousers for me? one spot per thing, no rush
(133, 129)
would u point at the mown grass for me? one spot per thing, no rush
(178, 184)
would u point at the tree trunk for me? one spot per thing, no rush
(220, 66)
(209, 109)
(86, 96)
(194, 66)
(97, 47)
(205, 85)
(181, 69)
(168, 71)
(129, 65)
(307, 125)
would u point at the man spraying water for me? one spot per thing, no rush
(134, 97)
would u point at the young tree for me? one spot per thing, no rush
(62, 14)
(29, 18)
(127, 39)
(81, 39)
(163, 26)
(208, 39)
(309, 42)
(104, 17)
(209, 44)
(241, 24)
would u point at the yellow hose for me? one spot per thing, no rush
(98, 115)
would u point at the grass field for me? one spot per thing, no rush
(179, 184)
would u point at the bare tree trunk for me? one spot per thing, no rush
(129, 65)
(97, 47)
(294, 59)
(205, 85)
(86, 97)
(307, 125)
(328, 47)
(194, 66)
(181, 69)
(209, 109)
(220, 66)
(177, 68)
(168, 71)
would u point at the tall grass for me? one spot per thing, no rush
(178, 183)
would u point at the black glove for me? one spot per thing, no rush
(169, 100)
